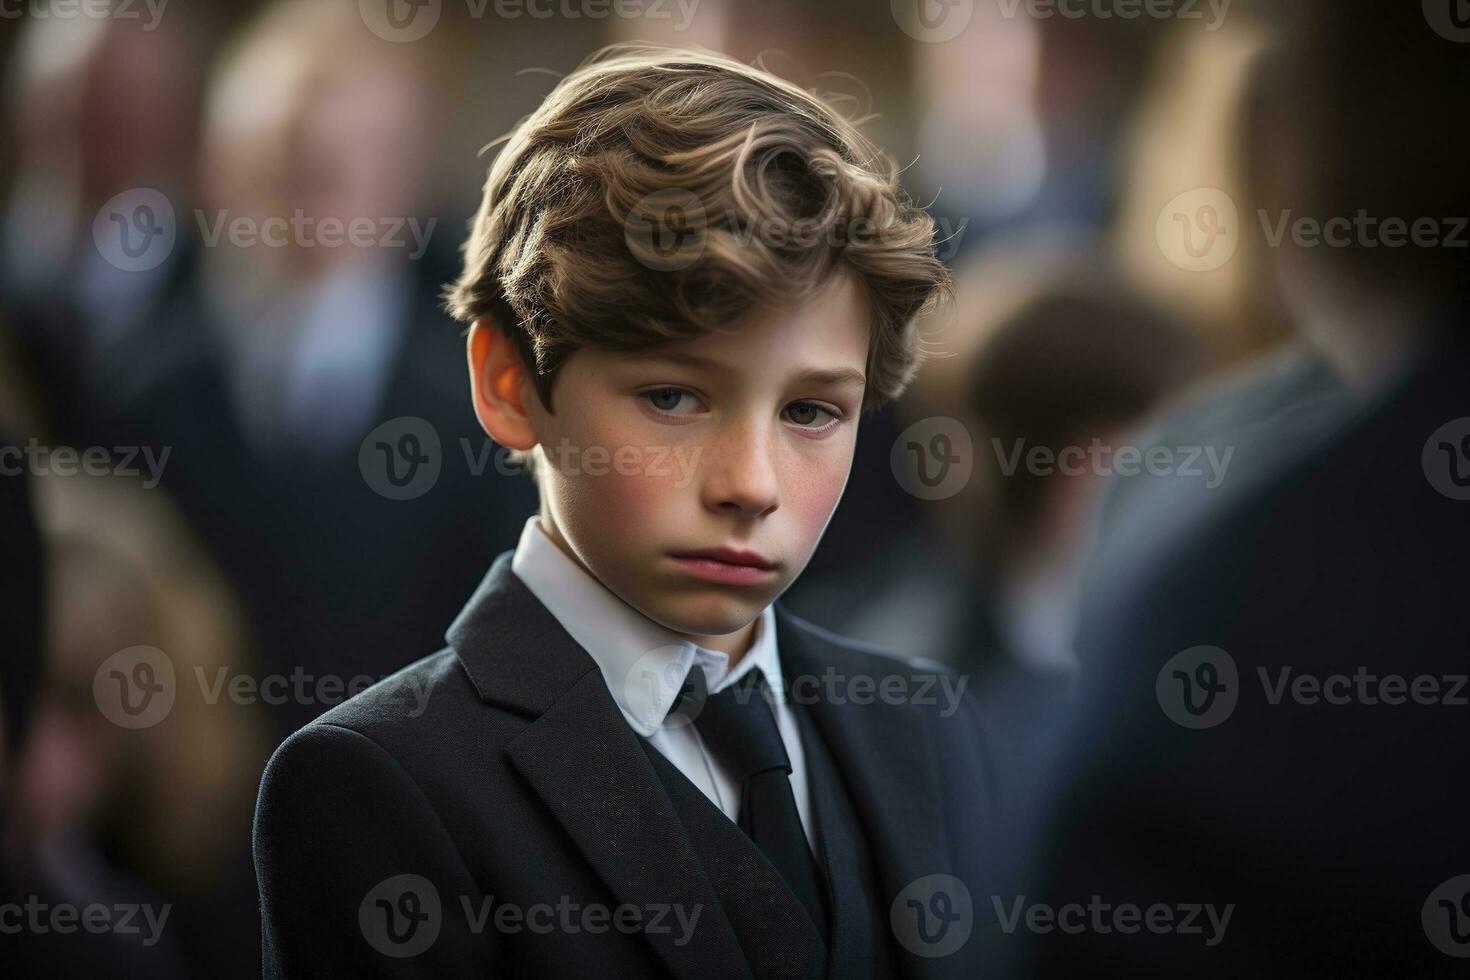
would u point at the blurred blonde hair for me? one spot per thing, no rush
(124, 570)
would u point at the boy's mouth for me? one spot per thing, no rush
(730, 566)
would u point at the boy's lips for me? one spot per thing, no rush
(731, 566)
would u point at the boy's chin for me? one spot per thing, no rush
(707, 615)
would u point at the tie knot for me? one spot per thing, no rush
(737, 724)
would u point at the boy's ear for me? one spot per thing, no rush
(498, 385)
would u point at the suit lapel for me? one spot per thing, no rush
(850, 943)
(884, 756)
(582, 759)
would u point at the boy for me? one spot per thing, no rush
(687, 280)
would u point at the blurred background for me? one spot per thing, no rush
(224, 228)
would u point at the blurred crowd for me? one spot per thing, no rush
(195, 383)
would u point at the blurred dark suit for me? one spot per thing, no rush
(335, 578)
(1326, 825)
(20, 603)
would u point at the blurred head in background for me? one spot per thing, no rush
(313, 166)
(1359, 127)
(309, 116)
(1070, 373)
(99, 106)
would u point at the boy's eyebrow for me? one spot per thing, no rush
(811, 375)
(835, 376)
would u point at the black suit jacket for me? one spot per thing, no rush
(520, 782)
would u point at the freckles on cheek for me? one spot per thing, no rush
(815, 493)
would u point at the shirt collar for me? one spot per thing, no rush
(643, 664)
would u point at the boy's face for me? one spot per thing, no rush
(740, 440)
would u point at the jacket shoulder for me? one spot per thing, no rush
(846, 651)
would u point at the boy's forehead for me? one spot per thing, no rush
(829, 333)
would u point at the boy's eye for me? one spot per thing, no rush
(671, 401)
(810, 415)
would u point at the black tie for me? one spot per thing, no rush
(740, 729)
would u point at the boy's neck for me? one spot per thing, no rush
(733, 645)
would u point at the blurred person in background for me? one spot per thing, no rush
(1056, 393)
(1272, 672)
(50, 862)
(305, 348)
(1068, 372)
(1019, 126)
(154, 812)
(104, 110)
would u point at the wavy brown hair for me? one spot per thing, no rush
(769, 186)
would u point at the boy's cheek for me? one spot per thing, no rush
(814, 494)
(630, 498)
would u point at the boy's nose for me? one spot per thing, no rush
(742, 476)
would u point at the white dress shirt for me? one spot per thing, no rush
(644, 665)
